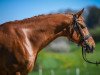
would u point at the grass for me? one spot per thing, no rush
(62, 62)
(70, 71)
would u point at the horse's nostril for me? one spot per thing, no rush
(92, 48)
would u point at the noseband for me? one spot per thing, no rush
(83, 41)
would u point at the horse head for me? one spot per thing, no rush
(78, 32)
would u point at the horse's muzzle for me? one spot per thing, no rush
(88, 48)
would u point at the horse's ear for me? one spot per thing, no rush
(78, 14)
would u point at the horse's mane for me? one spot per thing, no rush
(32, 19)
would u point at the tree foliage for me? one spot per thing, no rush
(93, 17)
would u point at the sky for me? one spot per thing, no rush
(11, 10)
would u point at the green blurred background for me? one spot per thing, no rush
(61, 57)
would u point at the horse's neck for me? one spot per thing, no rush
(42, 35)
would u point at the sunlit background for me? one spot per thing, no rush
(60, 57)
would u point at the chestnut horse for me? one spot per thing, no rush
(21, 41)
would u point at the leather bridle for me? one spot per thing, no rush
(85, 45)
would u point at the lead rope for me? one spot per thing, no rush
(84, 57)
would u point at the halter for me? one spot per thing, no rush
(83, 41)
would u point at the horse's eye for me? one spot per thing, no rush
(82, 26)
(81, 23)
